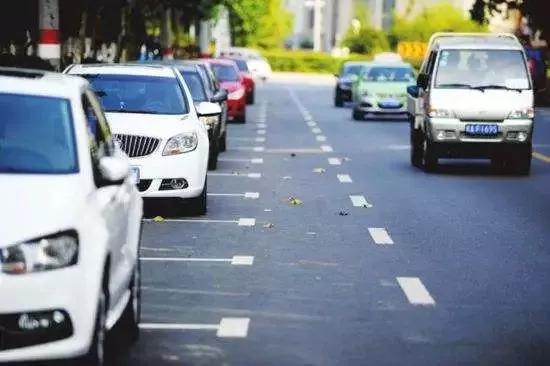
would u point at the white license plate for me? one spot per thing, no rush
(134, 175)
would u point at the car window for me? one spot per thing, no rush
(225, 72)
(36, 135)
(479, 68)
(242, 65)
(139, 94)
(351, 70)
(101, 143)
(194, 83)
(389, 74)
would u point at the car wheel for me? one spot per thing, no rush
(429, 157)
(213, 154)
(357, 116)
(416, 147)
(521, 161)
(250, 98)
(96, 353)
(241, 119)
(223, 142)
(338, 102)
(130, 318)
(198, 204)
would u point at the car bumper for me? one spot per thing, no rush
(157, 171)
(345, 95)
(236, 107)
(75, 300)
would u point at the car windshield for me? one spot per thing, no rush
(139, 94)
(193, 81)
(225, 72)
(499, 69)
(351, 70)
(36, 135)
(242, 65)
(389, 74)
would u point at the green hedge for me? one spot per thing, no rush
(306, 61)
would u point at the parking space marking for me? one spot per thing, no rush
(327, 148)
(255, 139)
(344, 178)
(235, 160)
(321, 138)
(235, 174)
(204, 221)
(359, 201)
(311, 123)
(334, 161)
(248, 148)
(541, 157)
(236, 260)
(380, 236)
(261, 132)
(416, 292)
(248, 195)
(233, 328)
(261, 125)
(178, 326)
(246, 222)
(316, 130)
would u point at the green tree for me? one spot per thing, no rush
(361, 37)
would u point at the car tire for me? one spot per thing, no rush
(357, 116)
(213, 154)
(130, 318)
(429, 157)
(241, 119)
(338, 102)
(198, 204)
(223, 142)
(96, 354)
(250, 98)
(416, 147)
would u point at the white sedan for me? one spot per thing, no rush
(151, 112)
(70, 229)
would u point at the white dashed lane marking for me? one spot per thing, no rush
(249, 195)
(316, 130)
(334, 161)
(261, 132)
(236, 260)
(327, 148)
(227, 328)
(247, 222)
(380, 236)
(235, 174)
(359, 201)
(253, 161)
(248, 148)
(311, 123)
(416, 292)
(344, 178)
(240, 222)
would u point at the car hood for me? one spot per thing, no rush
(161, 126)
(230, 86)
(36, 205)
(490, 104)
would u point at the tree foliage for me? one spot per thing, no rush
(361, 37)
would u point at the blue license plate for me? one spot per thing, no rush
(478, 129)
(390, 103)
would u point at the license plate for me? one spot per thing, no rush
(134, 175)
(478, 129)
(390, 103)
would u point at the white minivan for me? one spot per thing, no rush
(71, 222)
(473, 99)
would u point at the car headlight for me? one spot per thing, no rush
(441, 113)
(525, 113)
(42, 254)
(237, 94)
(209, 121)
(181, 143)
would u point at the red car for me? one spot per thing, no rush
(228, 76)
(248, 78)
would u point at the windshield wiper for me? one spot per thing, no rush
(455, 85)
(495, 86)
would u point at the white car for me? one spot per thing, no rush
(257, 64)
(70, 229)
(151, 112)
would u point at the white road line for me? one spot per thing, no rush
(334, 161)
(178, 326)
(248, 148)
(359, 201)
(311, 123)
(233, 328)
(259, 148)
(260, 139)
(157, 249)
(344, 178)
(327, 148)
(316, 130)
(261, 125)
(257, 161)
(416, 292)
(247, 222)
(235, 174)
(235, 160)
(321, 138)
(203, 221)
(261, 132)
(250, 195)
(254, 175)
(242, 260)
(256, 139)
(380, 236)
(236, 260)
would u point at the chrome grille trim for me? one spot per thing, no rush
(136, 146)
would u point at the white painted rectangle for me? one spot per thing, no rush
(203, 221)
(321, 138)
(334, 161)
(327, 148)
(261, 125)
(258, 148)
(257, 161)
(252, 195)
(344, 178)
(182, 259)
(233, 327)
(247, 222)
(359, 201)
(311, 123)
(242, 260)
(260, 139)
(261, 132)
(380, 236)
(316, 130)
(254, 175)
(416, 292)
(180, 326)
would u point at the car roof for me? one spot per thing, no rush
(153, 69)
(39, 82)
(221, 61)
(479, 43)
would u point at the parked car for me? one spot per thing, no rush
(200, 93)
(69, 268)
(227, 74)
(258, 65)
(150, 110)
(217, 95)
(349, 72)
(381, 90)
(473, 99)
(248, 78)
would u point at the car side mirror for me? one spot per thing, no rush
(412, 90)
(220, 96)
(113, 170)
(208, 109)
(422, 81)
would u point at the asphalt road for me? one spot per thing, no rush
(451, 268)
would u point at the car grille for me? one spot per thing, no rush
(144, 184)
(135, 146)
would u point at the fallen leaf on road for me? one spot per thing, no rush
(158, 219)
(343, 213)
(294, 201)
(319, 170)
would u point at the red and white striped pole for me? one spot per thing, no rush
(49, 47)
